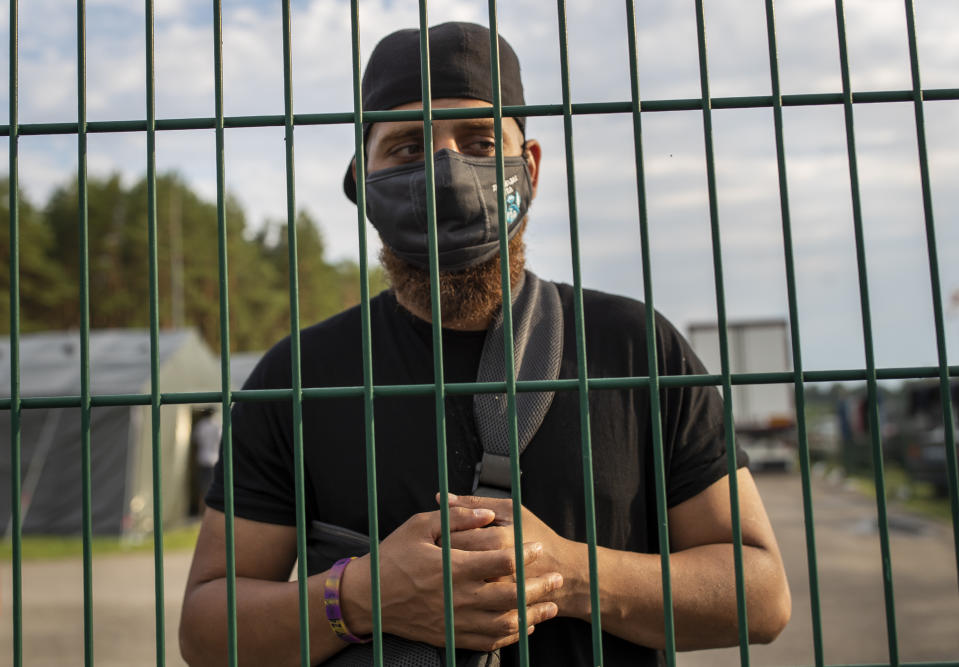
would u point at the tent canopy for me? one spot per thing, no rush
(121, 436)
(119, 361)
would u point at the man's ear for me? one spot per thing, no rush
(353, 168)
(533, 153)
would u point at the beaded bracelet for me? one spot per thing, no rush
(331, 600)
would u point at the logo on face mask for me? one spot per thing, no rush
(513, 203)
(510, 182)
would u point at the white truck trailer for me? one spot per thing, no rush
(764, 414)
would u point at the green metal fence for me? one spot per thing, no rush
(637, 108)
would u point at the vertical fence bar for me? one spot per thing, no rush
(871, 383)
(508, 354)
(581, 372)
(799, 387)
(155, 397)
(227, 437)
(371, 499)
(655, 415)
(156, 451)
(16, 585)
(723, 339)
(945, 391)
(439, 384)
(299, 481)
(84, 279)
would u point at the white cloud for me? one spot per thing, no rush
(677, 203)
(168, 9)
(184, 71)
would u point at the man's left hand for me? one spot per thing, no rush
(559, 554)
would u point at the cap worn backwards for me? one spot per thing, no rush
(459, 67)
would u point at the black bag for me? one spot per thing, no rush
(327, 543)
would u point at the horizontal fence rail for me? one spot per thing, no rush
(509, 111)
(632, 382)
(583, 384)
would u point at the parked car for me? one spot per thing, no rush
(926, 459)
(923, 434)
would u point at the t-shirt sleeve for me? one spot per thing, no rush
(262, 454)
(693, 432)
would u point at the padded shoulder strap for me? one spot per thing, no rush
(537, 354)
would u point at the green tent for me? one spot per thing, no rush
(121, 436)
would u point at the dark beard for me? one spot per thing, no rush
(467, 295)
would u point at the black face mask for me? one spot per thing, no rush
(467, 222)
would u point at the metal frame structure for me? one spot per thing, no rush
(637, 108)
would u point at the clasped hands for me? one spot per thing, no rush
(483, 568)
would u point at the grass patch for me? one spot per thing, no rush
(46, 547)
(906, 493)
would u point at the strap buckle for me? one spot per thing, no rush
(492, 477)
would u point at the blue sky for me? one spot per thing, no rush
(748, 197)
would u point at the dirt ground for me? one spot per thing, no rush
(123, 611)
(853, 610)
(854, 628)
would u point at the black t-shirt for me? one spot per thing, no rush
(405, 436)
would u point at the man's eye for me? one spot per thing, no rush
(482, 147)
(410, 150)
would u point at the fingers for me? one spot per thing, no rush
(491, 631)
(503, 507)
(488, 538)
(461, 518)
(477, 642)
(503, 595)
(485, 565)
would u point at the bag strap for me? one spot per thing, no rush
(537, 355)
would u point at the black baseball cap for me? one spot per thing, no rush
(459, 67)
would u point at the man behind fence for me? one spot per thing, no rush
(554, 518)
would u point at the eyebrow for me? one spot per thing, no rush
(478, 123)
(400, 133)
(416, 130)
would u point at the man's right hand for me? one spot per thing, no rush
(411, 580)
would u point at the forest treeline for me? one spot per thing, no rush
(258, 262)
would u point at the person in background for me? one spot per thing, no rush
(206, 446)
